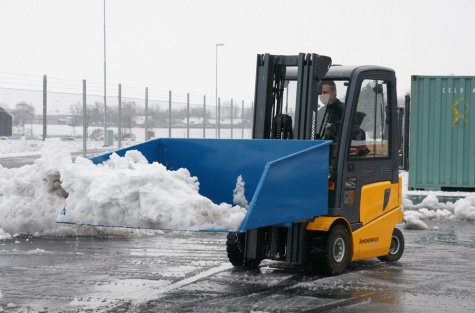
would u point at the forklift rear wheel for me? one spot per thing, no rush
(235, 249)
(396, 249)
(338, 250)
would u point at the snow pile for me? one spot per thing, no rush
(465, 208)
(29, 201)
(124, 191)
(4, 235)
(128, 191)
(431, 208)
(238, 195)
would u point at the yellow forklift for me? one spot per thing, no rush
(356, 214)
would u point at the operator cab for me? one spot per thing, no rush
(364, 149)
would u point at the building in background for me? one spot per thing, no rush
(6, 120)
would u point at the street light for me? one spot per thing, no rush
(105, 71)
(217, 45)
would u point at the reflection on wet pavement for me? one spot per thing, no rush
(189, 272)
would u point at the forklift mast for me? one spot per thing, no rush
(269, 120)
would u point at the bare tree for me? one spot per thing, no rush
(23, 112)
(129, 111)
(95, 114)
(76, 112)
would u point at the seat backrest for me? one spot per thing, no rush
(282, 127)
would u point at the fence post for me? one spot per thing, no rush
(232, 116)
(169, 114)
(218, 118)
(252, 118)
(119, 130)
(146, 114)
(204, 116)
(242, 120)
(187, 115)
(84, 119)
(105, 109)
(45, 105)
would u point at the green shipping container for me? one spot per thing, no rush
(442, 133)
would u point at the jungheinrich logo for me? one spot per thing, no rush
(368, 240)
(460, 107)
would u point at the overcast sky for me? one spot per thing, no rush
(171, 45)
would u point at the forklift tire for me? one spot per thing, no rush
(396, 249)
(338, 250)
(235, 250)
(330, 251)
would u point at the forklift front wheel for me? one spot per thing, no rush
(337, 250)
(396, 249)
(235, 249)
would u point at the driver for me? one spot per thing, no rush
(331, 113)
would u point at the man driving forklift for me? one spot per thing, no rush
(330, 114)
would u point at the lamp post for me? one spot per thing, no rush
(105, 92)
(217, 45)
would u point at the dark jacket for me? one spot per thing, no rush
(333, 114)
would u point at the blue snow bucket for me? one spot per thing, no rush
(285, 180)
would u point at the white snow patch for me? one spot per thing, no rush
(124, 191)
(128, 191)
(29, 201)
(4, 235)
(431, 208)
(39, 251)
(465, 208)
(238, 196)
(413, 220)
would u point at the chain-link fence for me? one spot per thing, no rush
(89, 116)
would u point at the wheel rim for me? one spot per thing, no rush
(339, 250)
(394, 245)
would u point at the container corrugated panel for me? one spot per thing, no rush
(442, 133)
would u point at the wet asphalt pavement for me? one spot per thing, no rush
(189, 272)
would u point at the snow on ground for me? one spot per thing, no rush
(26, 147)
(130, 192)
(431, 208)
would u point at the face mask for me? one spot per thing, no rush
(324, 99)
